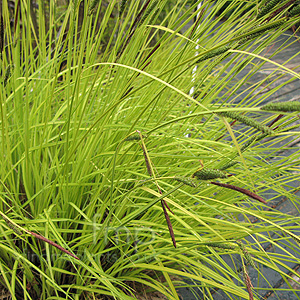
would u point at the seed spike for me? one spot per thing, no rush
(213, 53)
(280, 9)
(247, 121)
(295, 11)
(186, 180)
(170, 227)
(147, 158)
(139, 16)
(11, 225)
(241, 190)
(133, 138)
(152, 52)
(42, 238)
(275, 120)
(248, 282)
(17, 229)
(266, 9)
(206, 174)
(229, 165)
(219, 245)
(259, 31)
(246, 254)
(282, 106)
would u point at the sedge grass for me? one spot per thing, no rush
(84, 79)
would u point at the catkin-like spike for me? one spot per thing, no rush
(122, 8)
(12, 226)
(280, 9)
(213, 53)
(1, 34)
(248, 143)
(42, 238)
(186, 180)
(147, 162)
(7, 75)
(252, 140)
(206, 174)
(228, 165)
(267, 8)
(261, 137)
(248, 283)
(247, 256)
(133, 138)
(92, 6)
(38, 236)
(295, 11)
(170, 227)
(247, 121)
(282, 106)
(241, 190)
(258, 32)
(220, 245)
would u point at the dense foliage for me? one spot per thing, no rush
(125, 171)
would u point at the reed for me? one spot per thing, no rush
(134, 137)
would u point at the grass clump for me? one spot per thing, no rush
(100, 139)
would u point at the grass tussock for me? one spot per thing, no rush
(107, 109)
